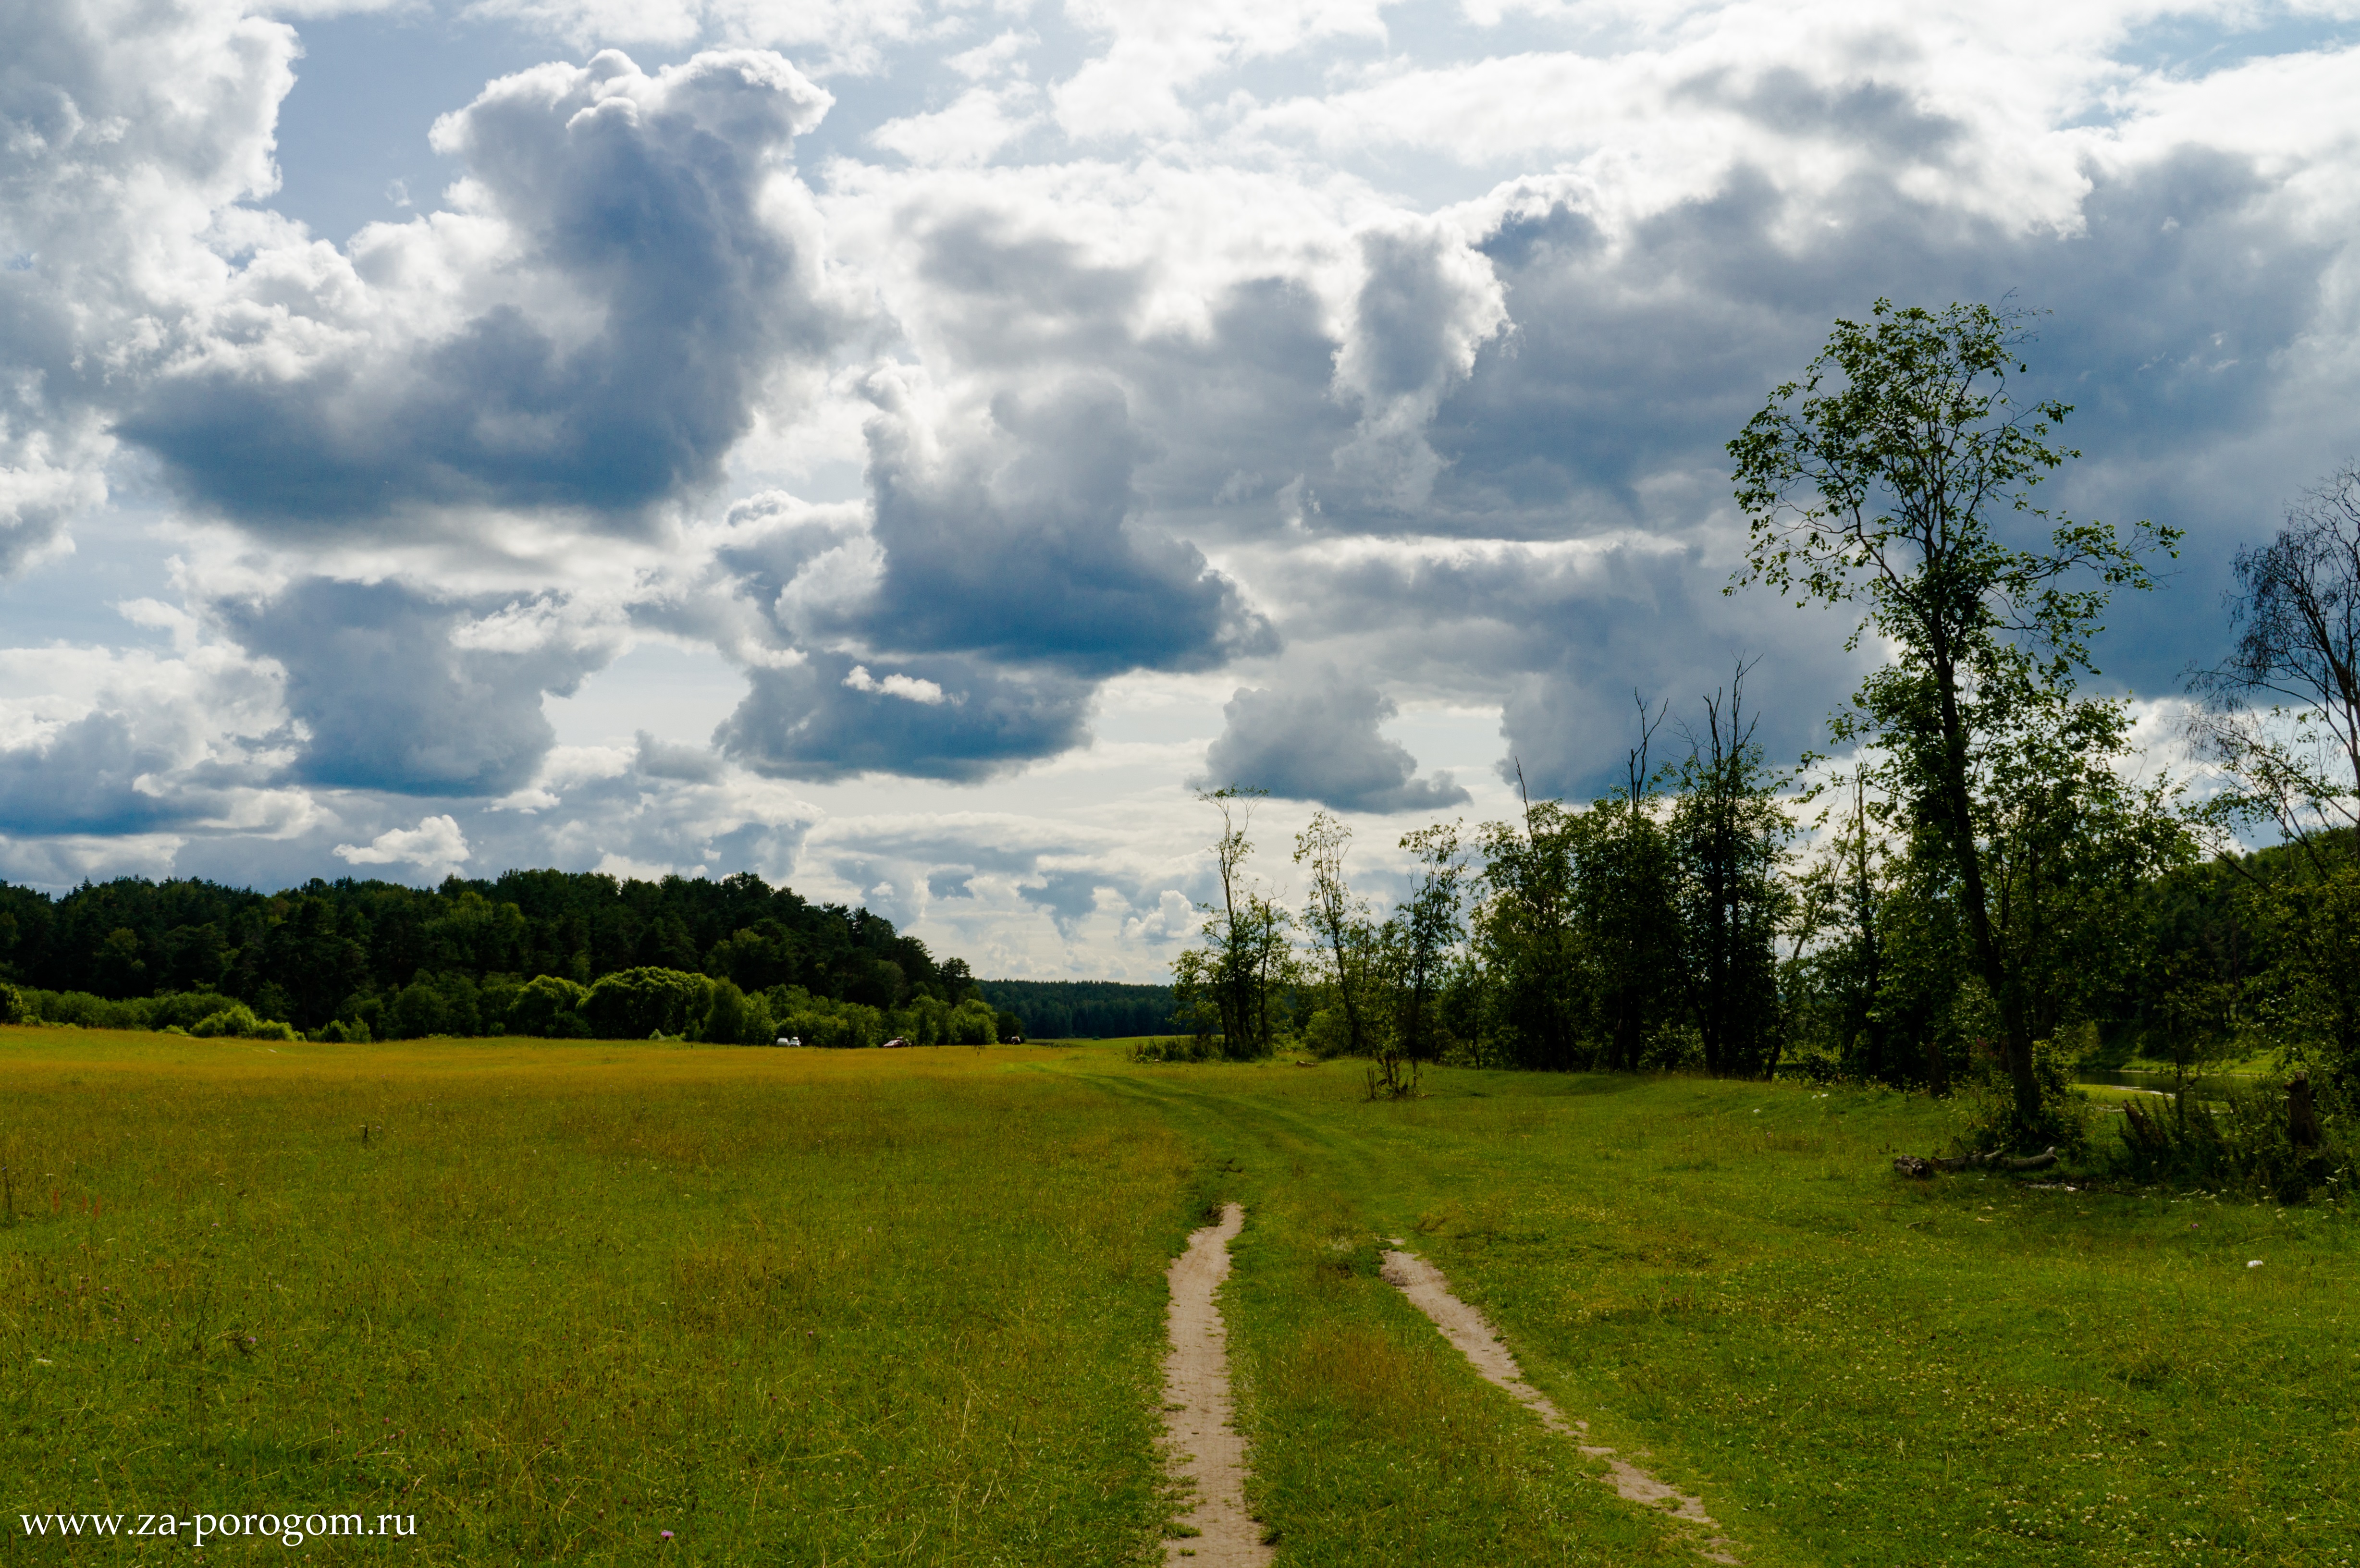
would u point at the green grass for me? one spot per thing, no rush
(1848, 1366)
(793, 1306)
(805, 1307)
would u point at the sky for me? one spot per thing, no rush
(906, 448)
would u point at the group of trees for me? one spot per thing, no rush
(1080, 1010)
(1982, 887)
(541, 952)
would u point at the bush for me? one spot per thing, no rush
(1179, 1047)
(11, 1005)
(549, 1006)
(2064, 1122)
(2235, 1137)
(972, 1022)
(1327, 1035)
(633, 1004)
(732, 1018)
(185, 1009)
(237, 1022)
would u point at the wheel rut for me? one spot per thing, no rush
(1429, 1289)
(1204, 1449)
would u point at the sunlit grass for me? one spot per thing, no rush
(806, 1307)
(1850, 1367)
(792, 1306)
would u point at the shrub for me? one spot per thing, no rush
(633, 1004)
(2063, 1121)
(1179, 1047)
(972, 1022)
(2233, 1136)
(732, 1018)
(185, 1009)
(237, 1022)
(549, 1006)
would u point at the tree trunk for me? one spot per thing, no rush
(2016, 1038)
(2302, 1116)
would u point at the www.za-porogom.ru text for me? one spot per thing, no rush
(290, 1529)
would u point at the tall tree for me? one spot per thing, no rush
(1342, 925)
(1525, 940)
(1428, 932)
(1729, 836)
(2296, 609)
(1235, 980)
(2294, 767)
(1629, 918)
(1880, 480)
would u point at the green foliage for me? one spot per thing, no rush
(237, 1022)
(1881, 480)
(359, 951)
(1232, 987)
(972, 1022)
(549, 1005)
(1728, 837)
(1080, 1010)
(1174, 1048)
(636, 1003)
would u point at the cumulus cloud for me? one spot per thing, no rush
(1325, 354)
(1026, 544)
(126, 132)
(396, 689)
(629, 266)
(434, 845)
(1171, 919)
(1317, 739)
(93, 742)
(813, 720)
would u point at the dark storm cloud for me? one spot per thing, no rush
(666, 291)
(959, 719)
(1318, 740)
(392, 699)
(1070, 896)
(2175, 307)
(84, 778)
(1890, 119)
(1028, 548)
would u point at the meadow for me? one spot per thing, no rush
(852, 1307)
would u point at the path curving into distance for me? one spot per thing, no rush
(1429, 1292)
(1206, 1449)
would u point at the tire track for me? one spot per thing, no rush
(1429, 1289)
(1204, 1448)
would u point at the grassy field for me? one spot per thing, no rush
(802, 1307)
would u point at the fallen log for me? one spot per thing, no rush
(1927, 1165)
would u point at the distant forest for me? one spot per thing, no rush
(345, 950)
(1083, 1009)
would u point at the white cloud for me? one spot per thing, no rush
(908, 688)
(435, 846)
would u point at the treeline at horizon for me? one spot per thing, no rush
(1082, 1009)
(521, 952)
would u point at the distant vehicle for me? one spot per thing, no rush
(896, 1043)
(789, 1040)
